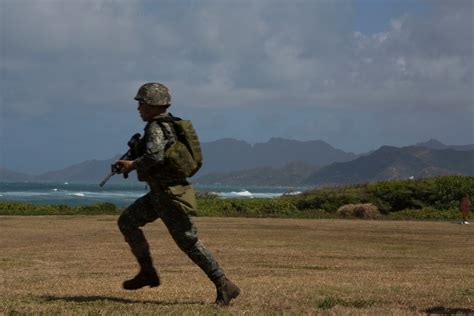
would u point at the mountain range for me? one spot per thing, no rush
(388, 163)
(290, 162)
(435, 144)
(223, 155)
(232, 155)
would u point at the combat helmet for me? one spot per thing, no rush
(154, 93)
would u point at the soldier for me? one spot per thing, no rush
(171, 198)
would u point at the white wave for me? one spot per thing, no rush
(105, 195)
(113, 194)
(266, 195)
(55, 189)
(247, 194)
(242, 193)
(294, 193)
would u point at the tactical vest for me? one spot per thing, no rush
(183, 157)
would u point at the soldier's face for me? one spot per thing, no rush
(147, 112)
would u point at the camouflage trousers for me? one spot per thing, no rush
(173, 205)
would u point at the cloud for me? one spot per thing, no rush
(423, 62)
(227, 53)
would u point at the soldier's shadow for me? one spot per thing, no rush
(94, 298)
(441, 310)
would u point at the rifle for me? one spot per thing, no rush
(115, 168)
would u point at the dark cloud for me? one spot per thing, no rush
(219, 53)
(254, 62)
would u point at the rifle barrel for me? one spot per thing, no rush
(106, 179)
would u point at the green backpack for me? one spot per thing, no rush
(183, 157)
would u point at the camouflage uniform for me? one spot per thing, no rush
(171, 199)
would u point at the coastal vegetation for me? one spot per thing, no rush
(434, 198)
(20, 208)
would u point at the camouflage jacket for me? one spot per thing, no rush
(150, 162)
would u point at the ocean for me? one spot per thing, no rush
(120, 195)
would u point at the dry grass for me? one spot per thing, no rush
(365, 211)
(75, 265)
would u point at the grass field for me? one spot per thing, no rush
(75, 265)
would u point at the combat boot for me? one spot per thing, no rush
(226, 290)
(146, 277)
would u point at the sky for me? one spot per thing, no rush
(357, 74)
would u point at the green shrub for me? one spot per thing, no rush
(18, 208)
(427, 213)
(438, 192)
(97, 209)
(391, 196)
(276, 207)
(331, 198)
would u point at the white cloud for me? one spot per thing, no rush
(219, 53)
(415, 65)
